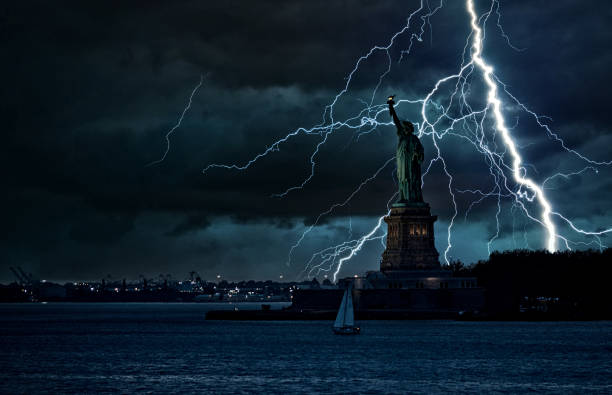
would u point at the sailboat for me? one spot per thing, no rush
(345, 320)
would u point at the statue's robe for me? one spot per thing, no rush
(409, 158)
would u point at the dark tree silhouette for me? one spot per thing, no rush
(572, 284)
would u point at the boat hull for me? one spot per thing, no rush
(349, 330)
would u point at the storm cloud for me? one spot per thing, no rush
(91, 89)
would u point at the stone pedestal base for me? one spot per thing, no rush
(410, 239)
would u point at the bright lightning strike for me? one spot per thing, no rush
(494, 101)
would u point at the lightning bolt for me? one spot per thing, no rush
(442, 115)
(335, 206)
(178, 123)
(494, 101)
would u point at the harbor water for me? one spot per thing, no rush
(171, 348)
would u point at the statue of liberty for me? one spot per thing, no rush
(409, 157)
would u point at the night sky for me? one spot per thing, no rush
(91, 88)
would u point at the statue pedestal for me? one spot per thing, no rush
(410, 239)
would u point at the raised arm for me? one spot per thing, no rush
(396, 120)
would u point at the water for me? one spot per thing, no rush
(162, 348)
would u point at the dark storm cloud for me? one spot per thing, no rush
(100, 227)
(190, 224)
(91, 88)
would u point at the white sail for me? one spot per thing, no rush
(349, 315)
(340, 318)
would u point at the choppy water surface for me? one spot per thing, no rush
(171, 348)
